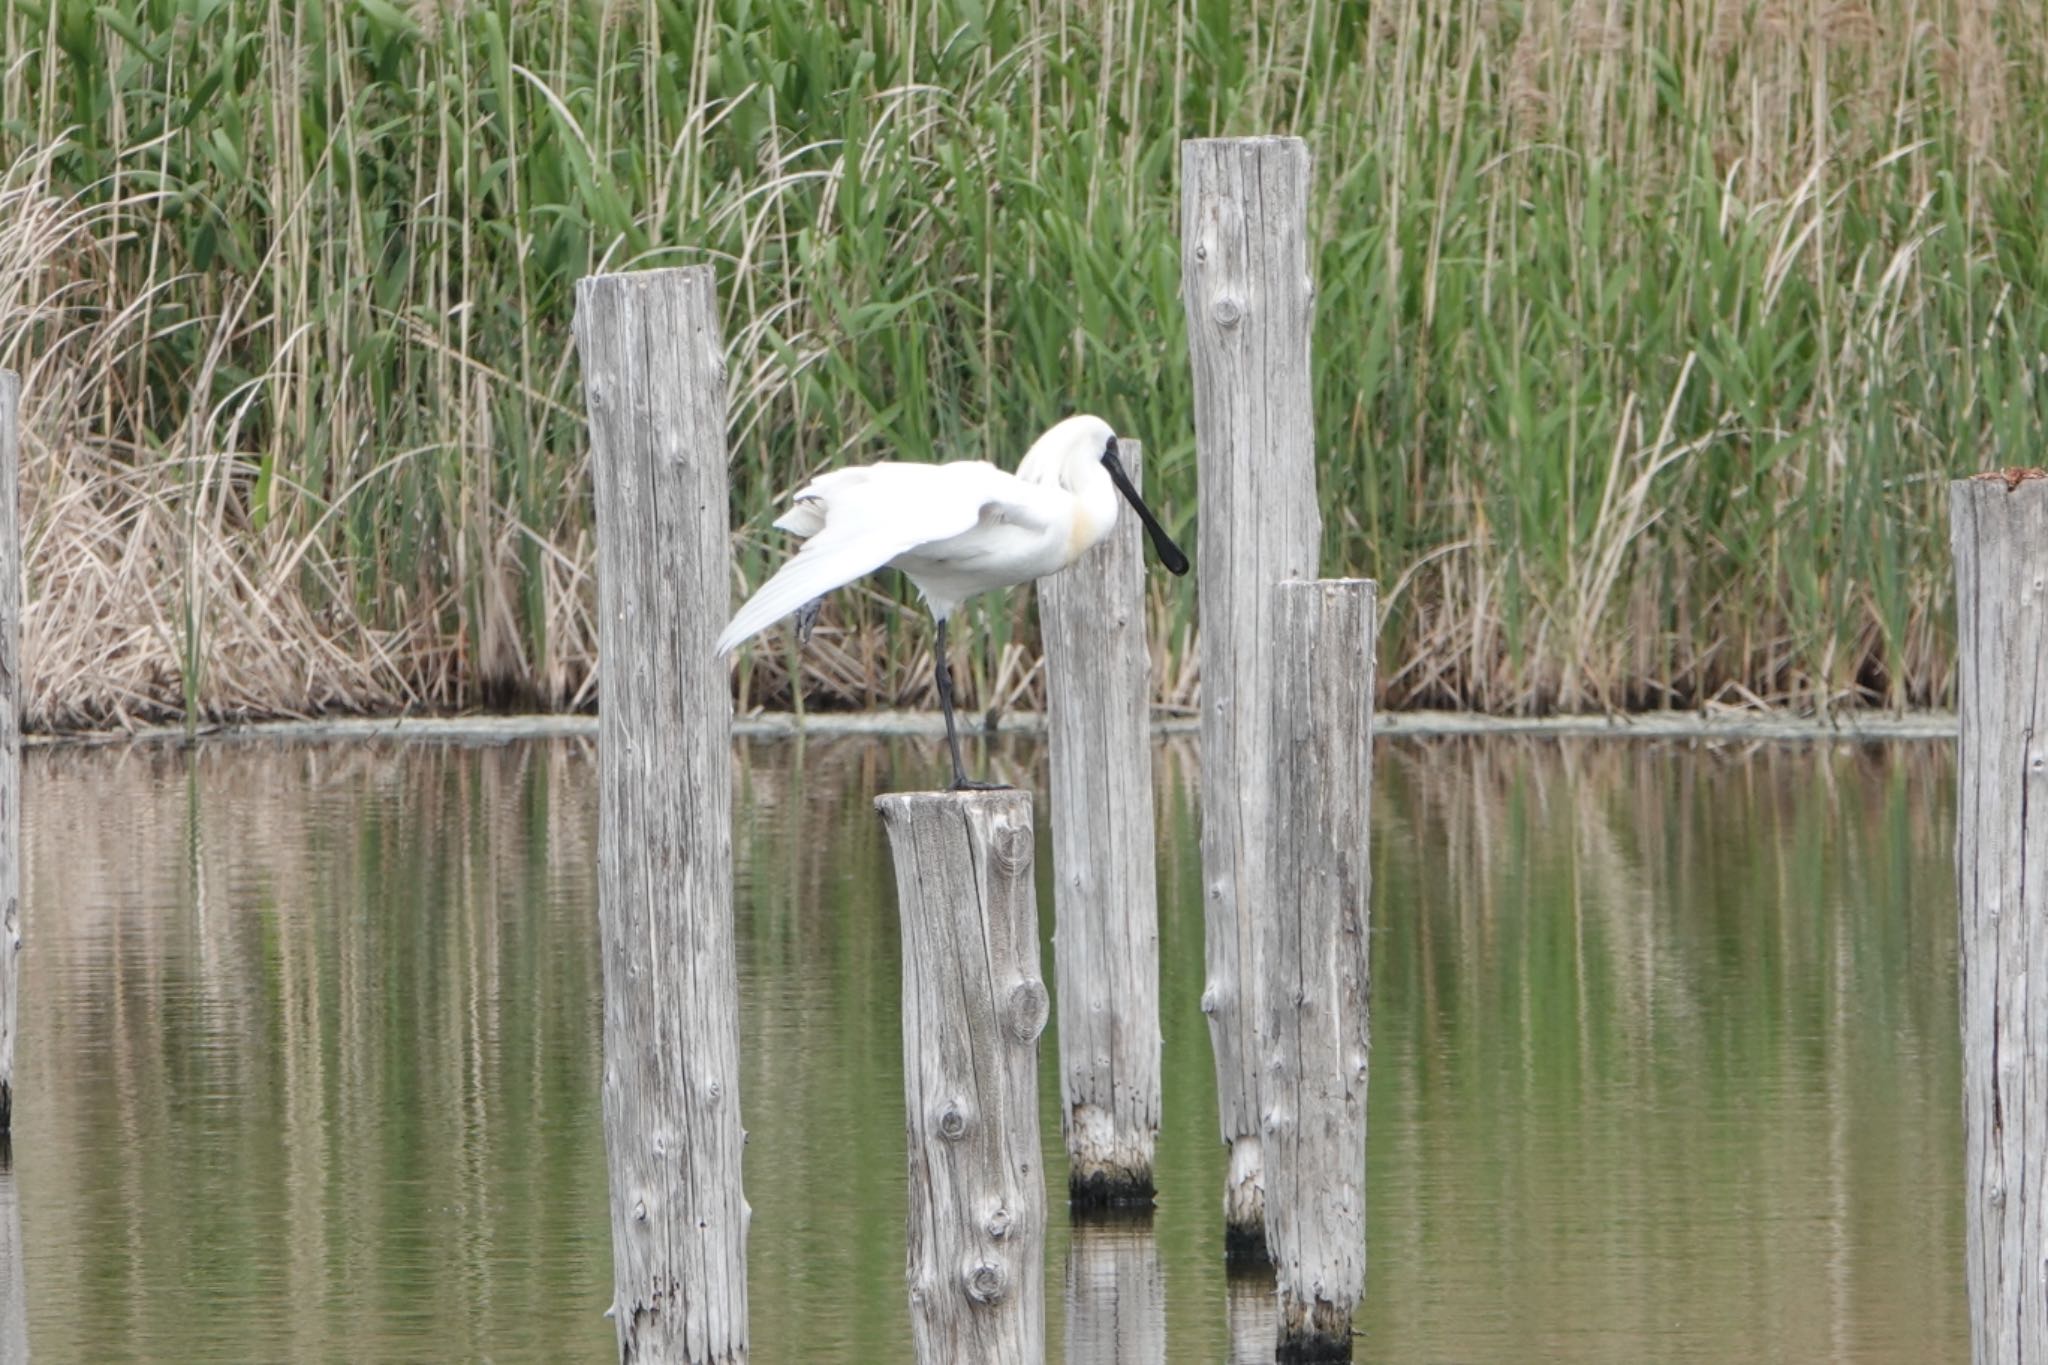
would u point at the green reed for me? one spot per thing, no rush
(1645, 341)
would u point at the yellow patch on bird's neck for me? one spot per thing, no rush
(1081, 533)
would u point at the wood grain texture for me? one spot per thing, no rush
(1098, 679)
(1116, 1291)
(654, 381)
(10, 735)
(2000, 536)
(1315, 951)
(974, 1005)
(13, 1274)
(1246, 288)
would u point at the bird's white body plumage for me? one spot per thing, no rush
(954, 529)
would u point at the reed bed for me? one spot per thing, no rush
(1646, 337)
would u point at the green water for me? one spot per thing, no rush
(1665, 1062)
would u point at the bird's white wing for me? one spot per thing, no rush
(864, 522)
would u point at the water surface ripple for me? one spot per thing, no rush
(1665, 1064)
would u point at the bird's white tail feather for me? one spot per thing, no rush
(806, 514)
(815, 570)
(807, 518)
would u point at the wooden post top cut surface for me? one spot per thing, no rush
(895, 802)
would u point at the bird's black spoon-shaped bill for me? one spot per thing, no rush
(1169, 553)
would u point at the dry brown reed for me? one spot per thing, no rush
(1647, 335)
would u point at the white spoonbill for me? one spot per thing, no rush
(955, 530)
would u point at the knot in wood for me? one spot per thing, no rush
(952, 1121)
(1027, 1010)
(1012, 849)
(986, 1282)
(1212, 1000)
(998, 1224)
(1228, 310)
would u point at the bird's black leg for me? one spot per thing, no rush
(944, 672)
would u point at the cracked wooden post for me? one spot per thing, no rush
(1245, 285)
(1098, 688)
(973, 1007)
(1316, 958)
(1999, 525)
(10, 735)
(1116, 1290)
(654, 383)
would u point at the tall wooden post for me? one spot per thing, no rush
(10, 734)
(13, 1275)
(1316, 960)
(654, 382)
(1098, 684)
(1245, 283)
(973, 1007)
(1999, 525)
(1116, 1290)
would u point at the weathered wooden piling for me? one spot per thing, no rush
(1116, 1290)
(1098, 687)
(10, 734)
(1316, 960)
(1999, 527)
(1245, 285)
(654, 381)
(973, 1007)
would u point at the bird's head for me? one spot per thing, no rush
(1077, 451)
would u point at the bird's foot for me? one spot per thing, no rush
(968, 784)
(806, 618)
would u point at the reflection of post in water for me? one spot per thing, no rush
(974, 1005)
(1116, 1291)
(13, 1278)
(1251, 1306)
